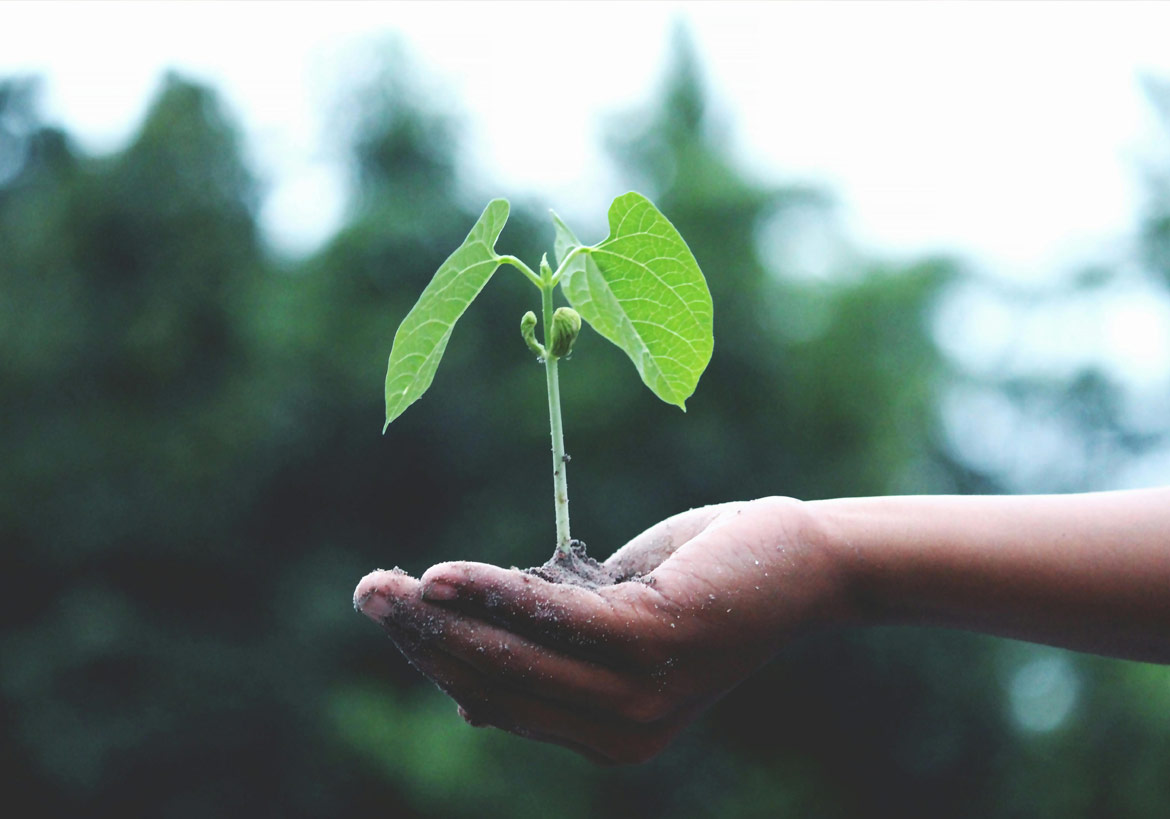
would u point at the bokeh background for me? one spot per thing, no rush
(192, 478)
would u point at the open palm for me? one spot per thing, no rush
(615, 673)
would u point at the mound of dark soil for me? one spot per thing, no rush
(577, 568)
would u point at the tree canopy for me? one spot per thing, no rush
(194, 480)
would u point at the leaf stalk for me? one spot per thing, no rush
(564, 265)
(523, 268)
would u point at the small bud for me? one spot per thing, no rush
(566, 324)
(545, 269)
(528, 331)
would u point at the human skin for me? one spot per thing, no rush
(615, 673)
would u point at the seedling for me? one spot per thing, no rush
(641, 288)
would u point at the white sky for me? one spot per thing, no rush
(1010, 132)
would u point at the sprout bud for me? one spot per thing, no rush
(566, 324)
(528, 331)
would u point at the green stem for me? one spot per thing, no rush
(565, 262)
(560, 479)
(523, 268)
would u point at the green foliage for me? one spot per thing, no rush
(422, 337)
(642, 289)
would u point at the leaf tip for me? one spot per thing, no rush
(557, 220)
(499, 208)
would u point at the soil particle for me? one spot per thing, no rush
(577, 568)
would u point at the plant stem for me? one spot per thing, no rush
(564, 265)
(523, 268)
(560, 479)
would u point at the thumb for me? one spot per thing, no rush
(650, 549)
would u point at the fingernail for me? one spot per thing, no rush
(438, 591)
(375, 606)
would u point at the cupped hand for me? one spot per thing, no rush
(615, 673)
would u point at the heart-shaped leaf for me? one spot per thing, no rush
(642, 289)
(422, 337)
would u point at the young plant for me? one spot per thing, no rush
(641, 288)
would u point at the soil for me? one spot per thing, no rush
(577, 568)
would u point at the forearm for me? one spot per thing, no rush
(1089, 572)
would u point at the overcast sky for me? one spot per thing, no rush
(1011, 132)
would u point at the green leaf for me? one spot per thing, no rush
(422, 337)
(642, 289)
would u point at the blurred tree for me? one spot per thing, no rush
(130, 465)
(193, 482)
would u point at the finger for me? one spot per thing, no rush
(611, 742)
(604, 739)
(392, 600)
(605, 625)
(512, 660)
(422, 631)
(648, 550)
(395, 587)
(530, 668)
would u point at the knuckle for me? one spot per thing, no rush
(478, 715)
(474, 706)
(471, 719)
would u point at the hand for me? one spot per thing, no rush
(616, 673)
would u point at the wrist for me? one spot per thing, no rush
(840, 533)
(815, 550)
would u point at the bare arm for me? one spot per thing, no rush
(616, 672)
(1089, 572)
